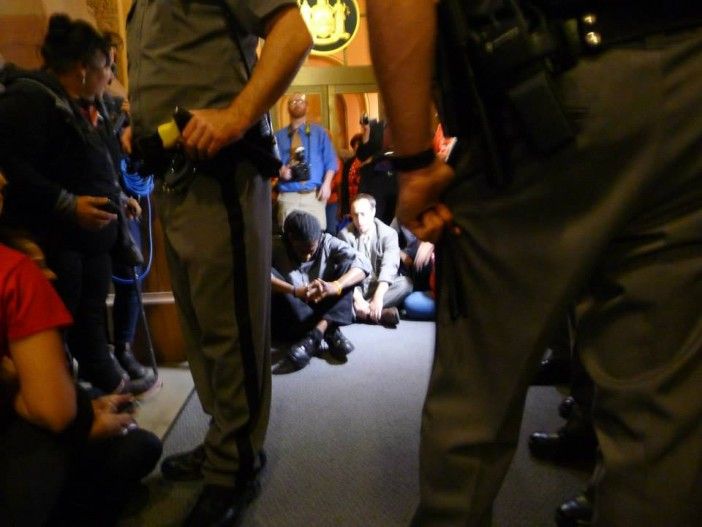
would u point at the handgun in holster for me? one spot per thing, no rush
(160, 156)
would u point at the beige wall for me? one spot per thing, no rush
(23, 24)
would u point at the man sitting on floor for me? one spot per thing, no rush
(376, 299)
(312, 281)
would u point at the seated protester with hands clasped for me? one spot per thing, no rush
(376, 299)
(312, 281)
(66, 460)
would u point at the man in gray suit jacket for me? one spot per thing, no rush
(375, 300)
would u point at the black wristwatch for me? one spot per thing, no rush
(413, 162)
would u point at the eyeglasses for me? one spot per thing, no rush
(297, 101)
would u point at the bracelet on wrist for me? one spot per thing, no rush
(339, 289)
(413, 162)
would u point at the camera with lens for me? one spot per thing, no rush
(299, 168)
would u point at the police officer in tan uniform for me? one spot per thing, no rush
(214, 205)
(614, 213)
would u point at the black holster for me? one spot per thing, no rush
(176, 171)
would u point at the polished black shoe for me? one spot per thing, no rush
(575, 512)
(130, 364)
(186, 466)
(566, 407)
(219, 506)
(339, 345)
(563, 446)
(552, 371)
(300, 353)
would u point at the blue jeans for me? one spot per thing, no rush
(125, 313)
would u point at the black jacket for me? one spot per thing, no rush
(50, 154)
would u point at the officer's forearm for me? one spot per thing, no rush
(402, 37)
(287, 43)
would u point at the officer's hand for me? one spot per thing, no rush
(90, 214)
(433, 222)
(419, 191)
(208, 131)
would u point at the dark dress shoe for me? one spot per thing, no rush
(552, 371)
(575, 512)
(219, 506)
(566, 407)
(186, 466)
(339, 345)
(390, 317)
(563, 446)
(300, 353)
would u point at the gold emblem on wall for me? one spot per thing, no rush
(333, 24)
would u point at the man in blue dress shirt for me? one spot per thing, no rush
(309, 163)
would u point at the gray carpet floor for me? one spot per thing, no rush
(343, 441)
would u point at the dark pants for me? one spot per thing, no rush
(614, 218)
(45, 478)
(292, 318)
(332, 210)
(83, 283)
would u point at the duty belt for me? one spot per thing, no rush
(609, 25)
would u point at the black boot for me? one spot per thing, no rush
(567, 407)
(126, 358)
(106, 375)
(573, 442)
(219, 506)
(576, 511)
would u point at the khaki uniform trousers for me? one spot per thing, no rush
(218, 246)
(616, 215)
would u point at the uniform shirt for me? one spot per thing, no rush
(319, 154)
(182, 54)
(333, 258)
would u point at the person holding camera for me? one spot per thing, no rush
(309, 164)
